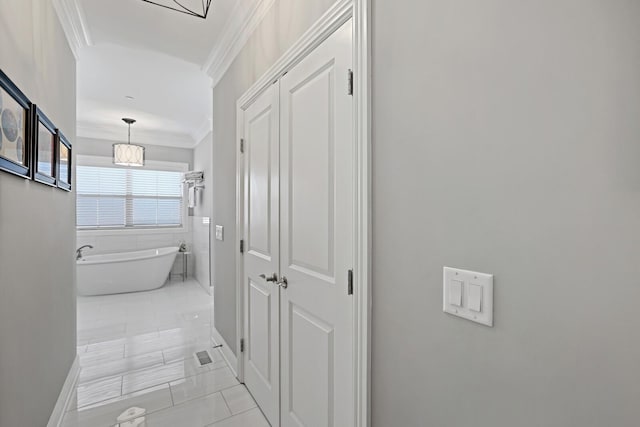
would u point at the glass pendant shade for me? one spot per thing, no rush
(128, 154)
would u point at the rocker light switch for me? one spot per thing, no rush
(475, 297)
(219, 232)
(455, 293)
(468, 294)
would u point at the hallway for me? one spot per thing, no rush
(430, 218)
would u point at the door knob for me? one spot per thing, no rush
(283, 283)
(272, 278)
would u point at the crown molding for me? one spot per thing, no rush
(202, 131)
(141, 136)
(240, 25)
(74, 23)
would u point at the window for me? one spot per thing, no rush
(114, 197)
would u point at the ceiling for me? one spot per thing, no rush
(141, 25)
(171, 97)
(166, 61)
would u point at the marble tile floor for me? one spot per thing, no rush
(137, 350)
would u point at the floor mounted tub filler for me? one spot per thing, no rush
(125, 271)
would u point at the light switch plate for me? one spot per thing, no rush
(477, 295)
(219, 232)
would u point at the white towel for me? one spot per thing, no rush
(192, 197)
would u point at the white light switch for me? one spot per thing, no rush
(468, 294)
(219, 232)
(475, 297)
(455, 293)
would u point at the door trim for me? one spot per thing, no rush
(338, 14)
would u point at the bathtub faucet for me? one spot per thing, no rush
(79, 251)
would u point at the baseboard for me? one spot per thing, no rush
(228, 355)
(55, 420)
(207, 288)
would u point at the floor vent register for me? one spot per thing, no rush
(203, 357)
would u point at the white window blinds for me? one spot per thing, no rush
(111, 197)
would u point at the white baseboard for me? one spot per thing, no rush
(64, 398)
(228, 355)
(207, 288)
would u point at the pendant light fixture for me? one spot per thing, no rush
(197, 8)
(128, 154)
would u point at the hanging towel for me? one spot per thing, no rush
(192, 196)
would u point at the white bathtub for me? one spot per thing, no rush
(124, 272)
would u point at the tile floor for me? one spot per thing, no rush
(137, 350)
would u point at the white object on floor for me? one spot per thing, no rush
(468, 294)
(131, 414)
(138, 422)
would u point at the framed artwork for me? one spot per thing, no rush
(15, 129)
(44, 153)
(64, 162)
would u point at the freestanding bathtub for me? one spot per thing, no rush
(124, 272)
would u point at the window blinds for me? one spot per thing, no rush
(110, 197)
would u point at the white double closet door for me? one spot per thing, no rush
(298, 224)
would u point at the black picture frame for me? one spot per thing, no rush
(63, 169)
(16, 134)
(44, 161)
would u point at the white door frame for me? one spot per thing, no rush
(338, 14)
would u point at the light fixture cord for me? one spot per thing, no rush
(129, 140)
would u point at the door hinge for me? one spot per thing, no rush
(242, 345)
(241, 246)
(350, 82)
(242, 145)
(350, 282)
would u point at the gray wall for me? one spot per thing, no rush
(203, 161)
(202, 253)
(506, 139)
(284, 24)
(37, 234)
(104, 148)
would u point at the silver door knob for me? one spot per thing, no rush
(283, 283)
(272, 278)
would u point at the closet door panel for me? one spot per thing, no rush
(261, 355)
(316, 211)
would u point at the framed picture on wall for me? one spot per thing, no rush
(44, 153)
(15, 129)
(63, 175)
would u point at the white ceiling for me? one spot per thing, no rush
(162, 58)
(172, 97)
(142, 25)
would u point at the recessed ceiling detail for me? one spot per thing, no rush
(199, 9)
(172, 96)
(153, 64)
